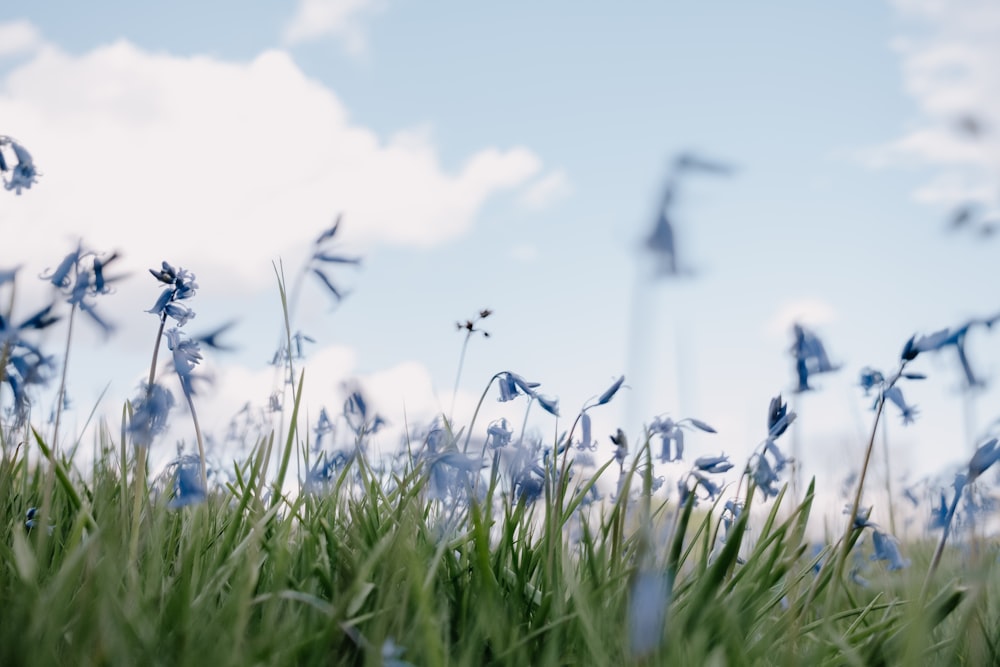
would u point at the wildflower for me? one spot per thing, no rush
(186, 356)
(181, 285)
(511, 383)
(861, 519)
(810, 357)
(939, 515)
(986, 455)
(895, 395)
(672, 435)
(610, 391)
(498, 434)
(713, 464)
(356, 413)
(24, 174)
(149, 414)
(621, 446)
(187, 486)
(550, 405)
(323, 428)
(871, 378)
(956, 338)
(322, 255)
(887, 549)
(778, 417)
(765, 477)
(211, 338)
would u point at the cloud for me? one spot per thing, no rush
(222, 166)
(808, 311)
(950, 56)
(551, 187)
(524, 252)
(18, 37)
(315, 19)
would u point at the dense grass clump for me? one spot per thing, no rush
(375, 570)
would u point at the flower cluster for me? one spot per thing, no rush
(80, 277)
(180, 286)
(672, 435)
(22, 362)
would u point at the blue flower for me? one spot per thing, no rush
(764, 477)
(511, 383)
(810, 356)
(181, 285)
(887, 549)
(322, 255)
(986, 455)
(24, 174)
(186, 355)
(713, 464)
(610, 391)
(895, 395)
(550, 405)
(187, 487)
(498, 434)
(149, 414)
(778, 417)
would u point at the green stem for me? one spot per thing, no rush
(62, 382)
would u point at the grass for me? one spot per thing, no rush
(375, 571)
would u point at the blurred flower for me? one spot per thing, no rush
(986, 455)
(713, 464)
(23, 175)
(498, 434)
(887, 549)
(810, 356)
(648, 600)
(323, 255)
(149, 414)
(187, 488)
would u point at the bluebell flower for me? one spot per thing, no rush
(512, 385)
(887, 549)
(498, 434)
(621, 446)
(986, 455)
(324, 427)
(871, 378)
(181, 285)
(149, 414)
(939, 515)
(187, 488)
(23, 175)
(895, 395)
(765, 477)
(778, 417)
(862, 518)
(810, 356)
(211, 338)
(26, 365)
(322, 255)
(610, 391)
(956, 338)
(356, 413)
(298, 339)
(186, 355)
(713, 464)
(780, 460)
(550, 405)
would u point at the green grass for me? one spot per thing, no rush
(254, 578)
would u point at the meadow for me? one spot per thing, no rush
(475, 544)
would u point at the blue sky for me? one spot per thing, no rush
(511, 157)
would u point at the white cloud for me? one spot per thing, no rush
(551, 187)
(809, 312)
(950, 58)
(314, 19)
(221, 166)
(17, 37)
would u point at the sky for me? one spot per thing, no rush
(512, 157)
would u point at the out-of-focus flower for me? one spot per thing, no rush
(887, 549)
(149, 414)
(23, 174)
(810, 356)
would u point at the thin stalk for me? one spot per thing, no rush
(139, 476)
(201, 444)
(845, 546)
(62, 382)
(468, 435)
(458, 374)
(936, 560)
(888, 476)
